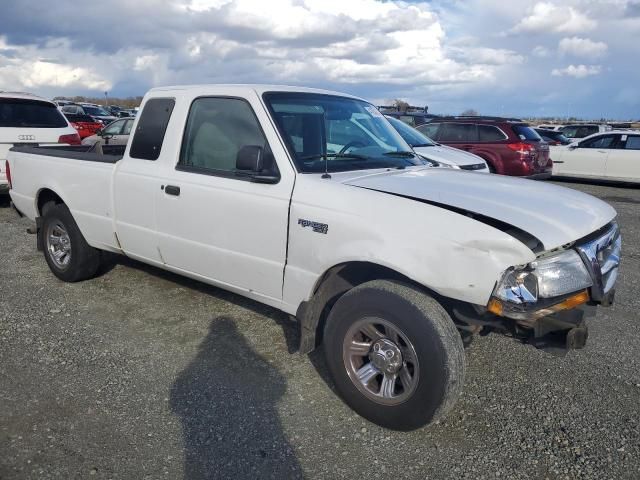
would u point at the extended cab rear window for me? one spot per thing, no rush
(25, 113)
(149, 135)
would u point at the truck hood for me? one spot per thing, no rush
(554, 215)
(448, 155)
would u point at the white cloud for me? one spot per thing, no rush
(546, 17)
(577, 71)
(29, 67)
(541, 52)
(582, 47)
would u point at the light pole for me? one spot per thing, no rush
(106, 98)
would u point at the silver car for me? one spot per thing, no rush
(116, 133)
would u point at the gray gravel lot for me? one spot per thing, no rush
(143, 374)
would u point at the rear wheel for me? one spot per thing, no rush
(395, 354)
(66, 251)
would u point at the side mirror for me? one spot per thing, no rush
(574, 145)
(252, 161)
(249, 159)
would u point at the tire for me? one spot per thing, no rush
(431, 374)
(76, 260)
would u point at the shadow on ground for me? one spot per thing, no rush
(226, 399)
(290, 328)
(4, 201)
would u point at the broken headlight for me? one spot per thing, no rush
(549, 277)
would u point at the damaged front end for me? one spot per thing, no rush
(546, 303)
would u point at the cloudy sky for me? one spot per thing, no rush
(514, 57)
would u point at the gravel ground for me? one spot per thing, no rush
(143, 374)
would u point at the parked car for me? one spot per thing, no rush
(113, 109)
(550, 126)
(116, 133)
(443, 155)
(582, 130)
(95, 111)
(29, 119)
(508, 145)
(381, 258)
(613, 155)
(552, 137)
(85, 125)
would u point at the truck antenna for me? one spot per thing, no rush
(326, 167)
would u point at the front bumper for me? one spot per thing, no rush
(563, 317)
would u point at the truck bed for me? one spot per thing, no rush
(110, 153)
(80, 177)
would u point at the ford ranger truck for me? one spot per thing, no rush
(275, 193)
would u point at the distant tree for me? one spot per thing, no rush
(401, 105)
(470, 112)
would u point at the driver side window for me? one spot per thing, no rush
(113, 129)
(604, 141)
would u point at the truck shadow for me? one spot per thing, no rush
(226, 399)
(5, 201)
(290, 328)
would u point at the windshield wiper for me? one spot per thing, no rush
(350, 156)
(406, 154)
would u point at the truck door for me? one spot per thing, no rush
(137, 181)
(215, 222)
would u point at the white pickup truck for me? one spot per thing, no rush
(273, 193)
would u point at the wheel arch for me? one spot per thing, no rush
(44, 196)
(336, 281)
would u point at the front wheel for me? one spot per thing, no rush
(66, 251)
(395, 354)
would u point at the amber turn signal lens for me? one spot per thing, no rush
(496, 307)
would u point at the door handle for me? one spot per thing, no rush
(172, 190)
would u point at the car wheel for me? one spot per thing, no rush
(66, 251)
(394, 353)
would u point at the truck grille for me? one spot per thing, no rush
(601, 255)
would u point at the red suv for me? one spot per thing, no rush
(508, 145)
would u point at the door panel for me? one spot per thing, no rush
(624, 162)
(137, 182)
(218, 225)
(587, 162)
(225, 229)
(589, 158)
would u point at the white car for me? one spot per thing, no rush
(445, 156)
(550, 126)
(276, 194)
(28, 119)
(579, 131)
(613, 155)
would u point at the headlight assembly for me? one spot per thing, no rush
(549, 277)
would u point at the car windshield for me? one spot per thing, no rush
(412, 136)
(337, 133)
(96, 111)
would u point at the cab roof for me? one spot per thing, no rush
(248, 88)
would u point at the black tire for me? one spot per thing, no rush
(433, 335)
(84, 260)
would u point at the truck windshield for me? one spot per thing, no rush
(337, 133)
